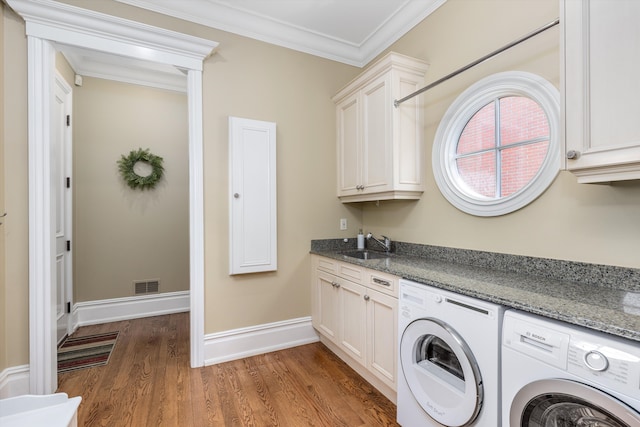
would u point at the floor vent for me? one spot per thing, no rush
(146, 287)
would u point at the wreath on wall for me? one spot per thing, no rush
(126, 166)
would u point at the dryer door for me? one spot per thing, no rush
(560, 402)
(441, 372)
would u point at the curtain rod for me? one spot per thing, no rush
(474, 63)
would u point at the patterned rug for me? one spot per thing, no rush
(85, 352)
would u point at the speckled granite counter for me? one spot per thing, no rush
(599, 297)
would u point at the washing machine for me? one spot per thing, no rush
(556, 374)
(449, 359)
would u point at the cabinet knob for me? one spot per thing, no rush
(572, 154)
(366, 297)
(236, 195)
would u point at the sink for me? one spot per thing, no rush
(366, 254)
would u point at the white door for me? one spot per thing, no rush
(61, 178)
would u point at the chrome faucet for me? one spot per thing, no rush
(386, 244)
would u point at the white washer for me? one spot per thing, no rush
(554, 374)
(449, 354)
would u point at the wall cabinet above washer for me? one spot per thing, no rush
(379, 145)
(601, 88)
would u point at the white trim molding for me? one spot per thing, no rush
(234, 18)
(116, 309)
(14, 381)
(250, 341)
(50, 24)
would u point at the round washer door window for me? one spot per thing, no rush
(566, 403)
(441, 372)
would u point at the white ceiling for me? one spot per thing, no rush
(348, 31)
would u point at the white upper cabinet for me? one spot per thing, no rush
(379, 145)
(602, 89)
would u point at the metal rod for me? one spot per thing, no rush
(474, 63)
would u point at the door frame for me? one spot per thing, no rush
(48, 23)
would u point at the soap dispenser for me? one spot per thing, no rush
(360, 240)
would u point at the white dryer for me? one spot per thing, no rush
(555, 374)
(449, 353)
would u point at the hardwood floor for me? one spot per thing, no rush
(148, 382)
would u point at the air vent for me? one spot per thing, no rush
(143, 287)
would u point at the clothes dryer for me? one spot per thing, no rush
(449, 354)
(556, 374)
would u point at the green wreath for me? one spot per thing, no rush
(133, 180)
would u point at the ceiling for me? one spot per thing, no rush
(349, 31)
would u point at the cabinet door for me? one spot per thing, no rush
(377, 154)
(602, 64)
(353, 320)
(253, 220)
(382, 321)
(349, 146)
(326, 306)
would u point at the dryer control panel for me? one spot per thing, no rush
(606, 361)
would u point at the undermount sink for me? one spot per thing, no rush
(366, 254)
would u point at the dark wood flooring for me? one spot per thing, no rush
(148, 382)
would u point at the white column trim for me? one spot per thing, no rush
(42, 342)
(196, 216)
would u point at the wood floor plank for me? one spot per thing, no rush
(148, 382)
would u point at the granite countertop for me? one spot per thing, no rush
(598, 297)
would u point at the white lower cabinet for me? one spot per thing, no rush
(355, 312)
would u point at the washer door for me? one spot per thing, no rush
(559, 402)
(441, 372)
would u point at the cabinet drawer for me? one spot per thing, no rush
(326, 264)
(382, 282)
(351, 272)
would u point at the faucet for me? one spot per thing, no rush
(386, 244)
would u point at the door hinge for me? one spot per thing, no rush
(68, 307)
(68, 245)
(68, 120)
(68, 182)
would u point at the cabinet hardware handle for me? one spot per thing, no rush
(366, 297)
(236, 195)
(381, 282)
(572, 154)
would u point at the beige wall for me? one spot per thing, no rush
(244, 78)
(3, 301)
(589, 223)
(15, 227)
(250, 79)
(123, 235)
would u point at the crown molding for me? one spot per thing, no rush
(223, 17)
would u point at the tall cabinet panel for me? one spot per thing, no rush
(601, 84)
(379, 145)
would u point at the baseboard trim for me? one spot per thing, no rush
(14, 381)
(116, 309)
(245, 342)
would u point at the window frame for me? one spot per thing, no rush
(465, 106)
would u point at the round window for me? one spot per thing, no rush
(498, 146)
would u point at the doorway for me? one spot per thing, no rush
(49, 23)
